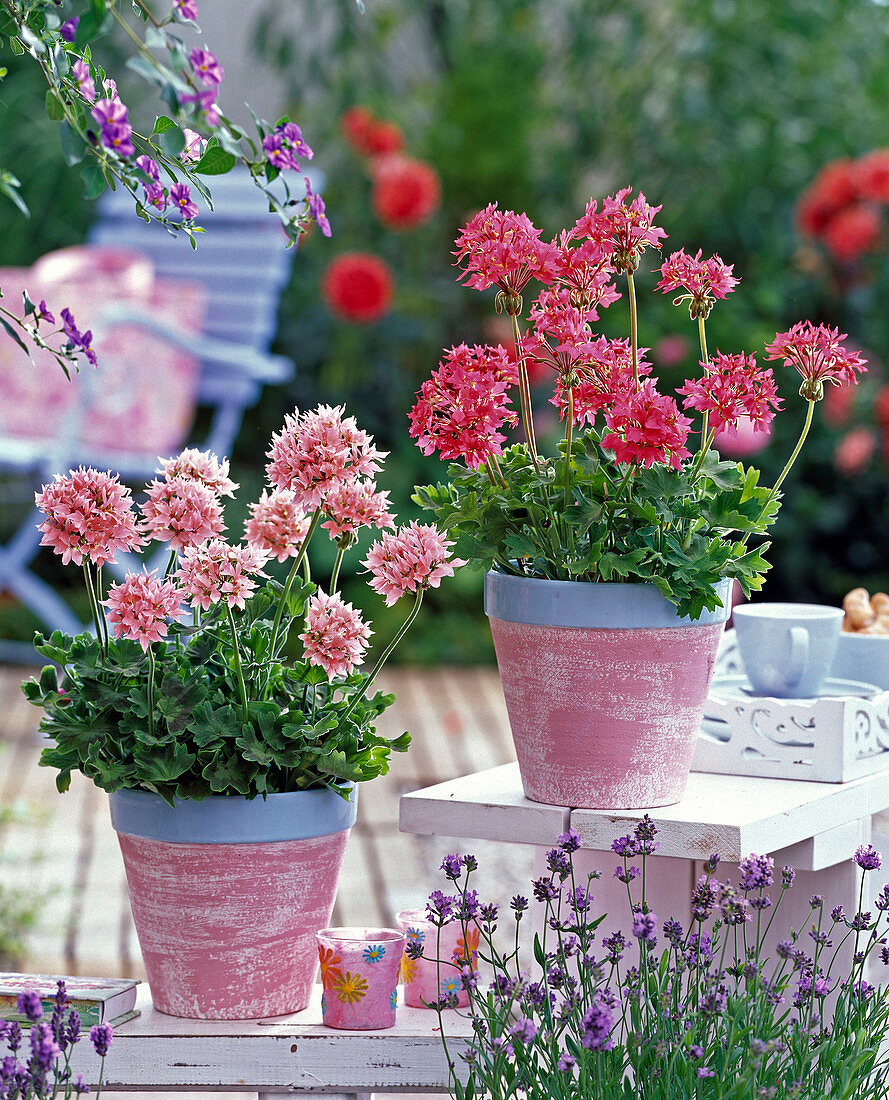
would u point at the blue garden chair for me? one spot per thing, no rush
(242, 265)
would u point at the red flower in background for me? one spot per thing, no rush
(369, 135)
(835, 186)
(873, 175)
(852, 231)
(358, 287)
(406, 192)
(854, 451)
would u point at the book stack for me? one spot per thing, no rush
(95, 1000)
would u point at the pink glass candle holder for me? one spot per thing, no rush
(425, 980)
(359, 974)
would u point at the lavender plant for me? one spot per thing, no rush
(659, 1011)
(45, 1072)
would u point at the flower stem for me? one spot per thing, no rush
(634, 327)
(705, 359)
(334, 576)
(790, 461)
(151, 669)
(171, 564)
(525, 393)
(369, 678)
(569, 430)
(94, 607)
(242, 689)
(288, 585)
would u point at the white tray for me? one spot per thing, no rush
(841, 734)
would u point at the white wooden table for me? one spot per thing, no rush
(815, 827)
(276, 1057)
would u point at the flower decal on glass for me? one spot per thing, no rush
(467, 950)
(350, 988)
(374, 952)
(393, 999)
(330, 969)
(408, 969)
(415, 935)
(450, 986)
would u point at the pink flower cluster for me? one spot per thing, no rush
(201, 466)
(335, 637)
(605, 376)
(627, 228)
(217, 571)
(462, 407)
(353, 505)
(645, 426)
(89, 517)
(501, 248)
(702, 280)
(182, 512)
(818, 354)
(732, 388)
(413, 559)
(139, 607)
(317, 452)
(277, 526)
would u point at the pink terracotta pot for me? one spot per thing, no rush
(227, 895)
(605, 688)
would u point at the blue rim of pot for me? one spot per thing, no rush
(232, 819)
(590, 604)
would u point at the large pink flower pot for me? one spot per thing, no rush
(605, 687)
(227, 895)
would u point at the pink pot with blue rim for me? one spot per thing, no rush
(605, 687)
(227, 894)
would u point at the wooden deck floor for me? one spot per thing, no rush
(62, 849)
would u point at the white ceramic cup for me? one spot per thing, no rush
(787, 648)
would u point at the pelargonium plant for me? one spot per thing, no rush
(637, 491)
(184, 688)
(45, 1073)
(663, 1010)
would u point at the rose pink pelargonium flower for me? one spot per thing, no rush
(464, 404)
(89, 517)
(218, 572)
(702, 280)
(201, 466)
(335, 638)
(732, 388)
(139, 607)
(818, 354)
(414, 558)
(277, 525)
(646, 427)
(316, 452)
(561, 336)
(585, 269)
(628, 227)
(182, 512)
(353, 505)
(501, 248)
(605, 375)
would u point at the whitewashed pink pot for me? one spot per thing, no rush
(605, 687)
(227, 895)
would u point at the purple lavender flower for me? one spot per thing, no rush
(626, 846)
(787, 876)
(544, 889)
(784, 948)
(645, 928)
(734, 909)
(763, 902)
(580, 899)
(317, 208)
(860, 922)
(519, 904)
(673, 932)
(468, 905)
(626, 875)
(597, 1023)
(72, 1031)
(206, 67)
(714, 1000)
(867, 857)
(185, 9)
(79, 1086)
(645, 832)
(441, 907)
(29, 1005)
(69, 28)
(696, 1050)
(615, 945)
(570, 841)
(756, 872)
(558, 862)
(180, 195)
(44, 1048)
(704, 897)
(488, 913)
(452, 867)
(703, 1071)
(712, 863)
(566, 1063)
(101, 1036)
(816, 901)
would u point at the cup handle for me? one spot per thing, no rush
(799, 654)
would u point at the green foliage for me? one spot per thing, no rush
(682, 530)
(181, 732)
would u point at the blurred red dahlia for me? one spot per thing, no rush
(358, 287)
(406, 192)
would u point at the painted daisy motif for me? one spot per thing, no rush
(330, 969)
(415, 935)
(393, 999)
(350, 988)
(408, 969)
(374, 952)
(471, 943)
(450, 986)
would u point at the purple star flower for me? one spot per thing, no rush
(180, 195)
(185, 9)
(206, 67)
(82, 341)
(149, 167)
(69, 28)
(317, 208)
(112, 115)
(81, 73)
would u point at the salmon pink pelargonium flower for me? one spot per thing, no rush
(702, 280)
(732, 388)
(605, 375)
(139, 607)
(316, 452)
(415, 558)
(353, 505)
(218, 571)
(335, 637)
(819, 355)
(645, 426)
(627, 228)
(201, 466)
(277, 525)
(182, 512)
(89, 517)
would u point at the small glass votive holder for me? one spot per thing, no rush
(359, 976)
(427, 980)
